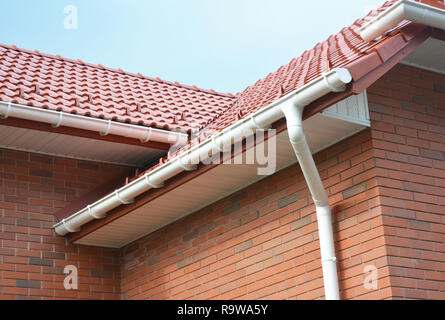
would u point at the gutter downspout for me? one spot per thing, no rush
(291, 106)
(294, 119)
(403, 10)
(293, 111)
(103, 127)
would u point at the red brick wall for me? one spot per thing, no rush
(262, 242)
(32, 258)
(386, 188)
(408, 122)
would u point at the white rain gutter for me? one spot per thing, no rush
(403, 10)
(103, 127)
(291, 106)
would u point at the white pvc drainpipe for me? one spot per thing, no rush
(403, 10)
(291, 106)
(294, 119)
(103, 127)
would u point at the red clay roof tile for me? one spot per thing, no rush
(62, 84)
(339, 50)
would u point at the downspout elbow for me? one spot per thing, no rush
(294, 121)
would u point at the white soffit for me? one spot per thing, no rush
(430, 55)
(353, 109)
(75, 147)
(322, 130)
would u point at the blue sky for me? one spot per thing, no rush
(224, 45)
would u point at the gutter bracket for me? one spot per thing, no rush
(147, 138)
(151, 184)
(116, 193)
(90, 212)
(59, 121)
(8, 109)
(107, 130)
(69, 228)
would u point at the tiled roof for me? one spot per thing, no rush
(338, 51)
(65, 84)
(52, 82)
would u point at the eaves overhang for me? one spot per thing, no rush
(58, 119)
(364, 70)
(187, 193)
